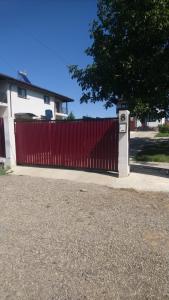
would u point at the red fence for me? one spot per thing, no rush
(83, 144)
(133, 124)
(2, 138)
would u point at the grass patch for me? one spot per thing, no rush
(157, 152)
(162, 134)
(2, 171)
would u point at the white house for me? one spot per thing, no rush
(24, 99)
(21, 99)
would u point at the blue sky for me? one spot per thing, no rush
(42, 37)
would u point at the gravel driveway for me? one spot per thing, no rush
(69, 241)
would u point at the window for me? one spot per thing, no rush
(58, 107)
(48, 114)
(46, 99)
(22, 93)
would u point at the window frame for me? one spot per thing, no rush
(58, 107)
(20, 95)
(44, 99)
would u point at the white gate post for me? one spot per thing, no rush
(10, 160)
(123, 159)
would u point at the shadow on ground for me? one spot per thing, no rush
(137, 144)
(96, 171)
(147, 169)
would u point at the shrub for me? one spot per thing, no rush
(2, 170)
(164, 128)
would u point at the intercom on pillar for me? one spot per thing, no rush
(123, 121)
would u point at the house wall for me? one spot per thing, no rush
(3, 90)
(152, 124)
(34, 103)
(156, 123)
(3, 86)
(3, 111)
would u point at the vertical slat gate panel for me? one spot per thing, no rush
(85, 144)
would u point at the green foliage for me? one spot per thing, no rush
(71, 116)
(164, 128)
(2, 170)
(86, 117)
(130, 50)
(162, 134)
(141, 110)
(155, 158)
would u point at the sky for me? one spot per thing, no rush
(43, 37)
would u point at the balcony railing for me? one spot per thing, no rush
(62, 110)
(3, 97)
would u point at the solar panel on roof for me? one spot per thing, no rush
(23, 77)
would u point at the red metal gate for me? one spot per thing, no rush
(2, 138)
(133, 124)
(87, 144)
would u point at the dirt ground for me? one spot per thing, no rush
(64, 240)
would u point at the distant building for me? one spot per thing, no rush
(149, 122)
(25, 100)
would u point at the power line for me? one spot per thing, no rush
(62, 59)
(59, 57)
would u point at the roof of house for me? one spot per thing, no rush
(35, 88)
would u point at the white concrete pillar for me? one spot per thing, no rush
(10, 160)
(123, 159)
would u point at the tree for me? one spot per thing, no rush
(71, 116)
(87, 117)
(130, 51)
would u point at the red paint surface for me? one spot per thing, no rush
(133, 125)
(86, 144)
(2, 138)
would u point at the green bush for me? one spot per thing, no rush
(164, 128)
(2, 170)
